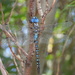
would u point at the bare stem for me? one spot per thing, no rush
(8, 19)
(16, 66)
(64, 49)
(47, 10)
(2, 68)
(40, 11)
(47, 5)
(13, 52)
(14, 40)
(31, 8)
(2, 13)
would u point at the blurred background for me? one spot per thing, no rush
(61, 46)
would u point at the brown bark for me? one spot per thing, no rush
(44, 37)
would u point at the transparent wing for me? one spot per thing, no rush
(49, 29)
(63, 25)
(23, 36)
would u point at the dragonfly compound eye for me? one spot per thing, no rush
(34, 20)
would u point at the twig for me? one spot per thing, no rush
(64, 49)
(23, 67)
(48, 10)
(39, 8)
(16, 66)
(12, 51)
(10, 36)
(2, 68)
(8, 19)
(22, 63)
(40, 11)
(32, 8)
(17, 57)
(3, 22)
(47, 5)
(58, 67)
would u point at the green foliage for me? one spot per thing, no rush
(50, 57)
(62, 15)
(65, 17)
(62, 27)
(19, 14)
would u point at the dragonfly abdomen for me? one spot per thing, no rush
(36, 36)
(36, 29)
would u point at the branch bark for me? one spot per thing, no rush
(44, 36)
(2, 68)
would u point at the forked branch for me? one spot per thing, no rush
(47, 10)
(14, 40)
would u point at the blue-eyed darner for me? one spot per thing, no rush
(35, 28)
(24, 39)
(54, 29)
(36, 32)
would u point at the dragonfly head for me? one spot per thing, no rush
(34, 20)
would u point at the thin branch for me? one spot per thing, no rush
(16, 66)
(64, 49)
(40, 11)
(47, 5)
(47, 11)
(39, 8)
(52, 5)
(23, 67)
(22, 63)
(20, 48)
(12, 51)
(31, 8)
(1, 9)
(8, 19)
(10, 36)
(2, 68)
(17, 57)
(58, 67)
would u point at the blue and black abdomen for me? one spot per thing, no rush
(35, 21)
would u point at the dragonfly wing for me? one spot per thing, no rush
(49, 28)
(47, 31)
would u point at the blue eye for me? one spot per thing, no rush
(34, 20)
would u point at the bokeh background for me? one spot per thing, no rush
(61, 47)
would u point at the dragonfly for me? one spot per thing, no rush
(36, 29)
(48, 29)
